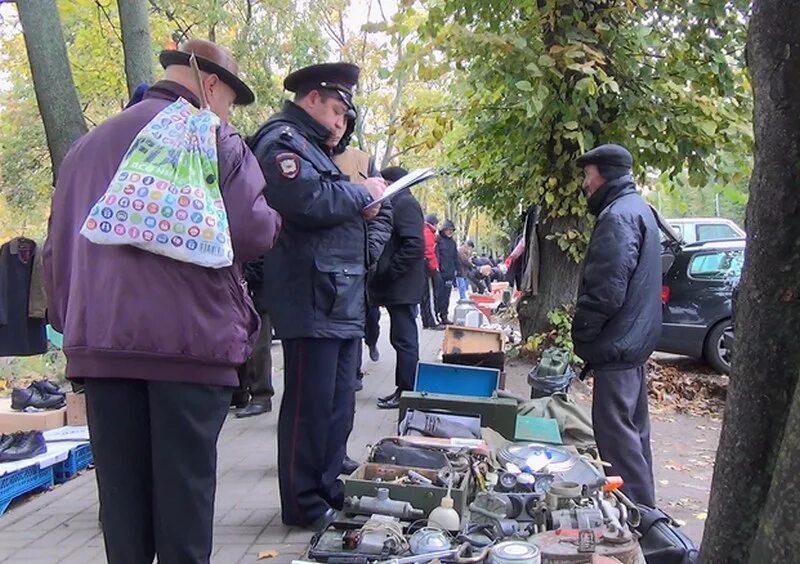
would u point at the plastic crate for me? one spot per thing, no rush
(23, 481)
(79, 458)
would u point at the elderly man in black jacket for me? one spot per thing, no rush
(618, 315)
(398, 283)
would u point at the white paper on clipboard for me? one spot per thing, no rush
(411, 179)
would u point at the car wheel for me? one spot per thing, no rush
(716, 350)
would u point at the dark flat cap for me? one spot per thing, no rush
(213, 59)
(432, 219)
(607, 155)
(339, 77)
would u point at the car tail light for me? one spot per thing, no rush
(665, 294)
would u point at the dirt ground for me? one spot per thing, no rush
(684, 446)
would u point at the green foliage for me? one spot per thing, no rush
(541, 82)
(559, 335)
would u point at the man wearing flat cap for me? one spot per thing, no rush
(618, 315)
(315, 285)
(156, 341)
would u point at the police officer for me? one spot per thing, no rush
(618, 315)
(314, 286)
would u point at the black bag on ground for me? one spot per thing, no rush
(390, 451)
(662, 541)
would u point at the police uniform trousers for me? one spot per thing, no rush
(622, 429)
(315, 420)
(255, 375)
(404, 337)
(155, 449)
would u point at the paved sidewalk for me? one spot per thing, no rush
(60, 526)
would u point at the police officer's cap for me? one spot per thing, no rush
(609, 155)
(338, 77)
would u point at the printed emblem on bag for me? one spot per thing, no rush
(289, 165)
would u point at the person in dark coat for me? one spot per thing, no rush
(357, 164)
(447, 253)
(429, 306)
(618, 315)
(398, 283)
(254, 396)
(315, 289)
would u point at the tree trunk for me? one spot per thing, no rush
(755, 497)
(558, 279)
(52, 78)
(133, 18)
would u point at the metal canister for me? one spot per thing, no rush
(514, 552)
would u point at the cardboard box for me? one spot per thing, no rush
(76, 409)
(363, 483)
(12, 421)
(462, 340)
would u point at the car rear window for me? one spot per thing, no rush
(717, 265)
(715, 231)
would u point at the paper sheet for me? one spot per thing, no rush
(411, 179)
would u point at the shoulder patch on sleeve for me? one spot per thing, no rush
(288, 164)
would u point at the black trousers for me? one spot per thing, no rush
(155, 446)
(315, 420)
(622, 429)
(405, 341)
(443, 298)
(255, 375)
(429, 307)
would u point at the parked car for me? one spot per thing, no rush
(698, 284)
(697, 229)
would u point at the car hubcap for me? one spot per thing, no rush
(722, 350)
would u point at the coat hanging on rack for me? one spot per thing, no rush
(20, 334)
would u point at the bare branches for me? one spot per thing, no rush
(104, 11)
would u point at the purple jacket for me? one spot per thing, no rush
(128, 313)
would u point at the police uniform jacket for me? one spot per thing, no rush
(314, 279)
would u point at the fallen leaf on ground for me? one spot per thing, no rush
(664, 482)
(701, 516)
(264, 554)
(680, 522)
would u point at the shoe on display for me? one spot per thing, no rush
(23, 446)
(48, 387)
(6, 440)
(32, 396)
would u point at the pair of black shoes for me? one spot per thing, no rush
(21, 445)
(392, 401)
(42, 394)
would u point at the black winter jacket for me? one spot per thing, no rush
(314, 279)
(618, 314)
(447, 251)
(399, 278)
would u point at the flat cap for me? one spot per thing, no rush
(339, 77)
(608, 155)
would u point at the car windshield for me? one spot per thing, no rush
(717, 265)
(715, 231)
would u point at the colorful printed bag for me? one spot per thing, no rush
(165, 196)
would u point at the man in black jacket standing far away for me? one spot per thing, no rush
(618, 315)
(398, 283)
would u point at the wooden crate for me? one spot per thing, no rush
(465, 340)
